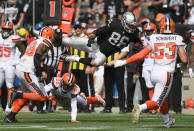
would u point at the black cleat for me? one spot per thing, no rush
(10, 120)
(13, 95)
(41, 112)
(106, 111)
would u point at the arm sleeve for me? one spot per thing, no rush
(138, 56)
(73, 108)
(37, 65)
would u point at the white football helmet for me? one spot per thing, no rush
(129, 22)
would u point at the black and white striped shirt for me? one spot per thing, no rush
(52, 57)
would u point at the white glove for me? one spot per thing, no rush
(119, 63)
(191, 73)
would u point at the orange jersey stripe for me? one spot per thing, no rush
(26, 75)
(48, 43)
(16, 40)
(168, 79)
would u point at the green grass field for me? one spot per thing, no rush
(95, 122)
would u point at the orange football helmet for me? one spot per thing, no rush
(167, 25)
(67, 82)
(47, 32)
(149, 29)
(189, 103)
(7, 29)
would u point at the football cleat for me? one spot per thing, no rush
(13, 95)
(10, 120)
(100, 100)
(169, 123)
(75, 121)
(136, 114)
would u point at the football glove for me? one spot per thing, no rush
(40, 79)
(90, 41)
(62, 56)
(191, 74)
(119, 63)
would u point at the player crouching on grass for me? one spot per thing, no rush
(65, 88)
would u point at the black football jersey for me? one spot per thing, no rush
(113, 37)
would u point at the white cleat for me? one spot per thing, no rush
(136, 114)
(100, 100)
(169, 123)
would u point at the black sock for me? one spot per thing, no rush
(12, 115)
(19, 95)
(86, 61)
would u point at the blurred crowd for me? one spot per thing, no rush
(88, 16)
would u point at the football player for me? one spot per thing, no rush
(65, 88)
(165, 46)
(8, 57)
(29, 72)
(191, 56)
(110, 39)
(149, 29)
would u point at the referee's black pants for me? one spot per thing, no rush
(175, 95)
(130, 91)
(112, 75)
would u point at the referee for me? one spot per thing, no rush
(52, 57)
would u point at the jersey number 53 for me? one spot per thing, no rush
(165, 50)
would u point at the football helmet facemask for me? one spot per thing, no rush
(149, 29)
(7, 29)
(67, 82)
(129, 22)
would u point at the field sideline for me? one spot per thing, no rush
(95, 122)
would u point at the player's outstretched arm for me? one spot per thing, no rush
(138, 56)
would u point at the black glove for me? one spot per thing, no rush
(90, 41)
(63, 56)
(40, 79)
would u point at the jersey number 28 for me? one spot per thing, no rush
(31, 49)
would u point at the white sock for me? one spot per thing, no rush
(143, 107)
(166, 118)
(77, 59)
